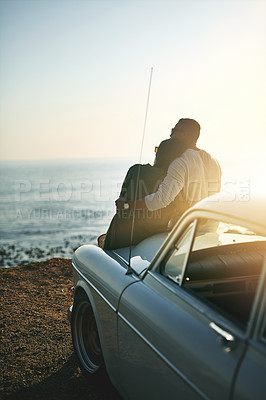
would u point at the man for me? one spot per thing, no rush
(196, 174)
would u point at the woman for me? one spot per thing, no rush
(140, 181)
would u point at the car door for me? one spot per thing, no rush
(171, 341)
(250, 381)
(149, 319)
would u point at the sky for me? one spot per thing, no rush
(74, 76)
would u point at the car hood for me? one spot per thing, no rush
(142, 253)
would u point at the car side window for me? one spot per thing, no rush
(224, 268)
(173, 265)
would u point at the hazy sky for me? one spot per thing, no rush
(74, 75)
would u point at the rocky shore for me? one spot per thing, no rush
(13, 253)
(36, 353)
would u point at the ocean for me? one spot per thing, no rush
(49, 208)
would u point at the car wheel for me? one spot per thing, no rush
(85, 336)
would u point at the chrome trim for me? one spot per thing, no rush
(226, 335)
(184, 296)
(163, 358)
(120, 257)
(153, 274)
(173, 236)
(69, 313)
(191, 242)
(94, 287)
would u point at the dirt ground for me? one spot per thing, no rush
(36, 353)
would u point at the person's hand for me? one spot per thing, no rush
(120, 203)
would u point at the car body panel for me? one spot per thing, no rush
(189, 349)
(103, 272)
(143, 253)
(157, 338)
(103, 287)
(250, 209)
(250, 380)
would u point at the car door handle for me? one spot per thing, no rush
(227, 339)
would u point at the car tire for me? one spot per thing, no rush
(85, 337)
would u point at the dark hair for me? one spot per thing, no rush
(168, 151)
(188, 125)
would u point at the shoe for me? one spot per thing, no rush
(101, 240)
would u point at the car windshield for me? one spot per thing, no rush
(214, 233)
(238, 229)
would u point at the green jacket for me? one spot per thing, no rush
(148, 182)
(140, 181)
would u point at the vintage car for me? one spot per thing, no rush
(186, 318)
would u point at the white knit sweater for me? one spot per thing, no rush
(196, 171)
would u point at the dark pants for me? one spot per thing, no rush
(146, 223)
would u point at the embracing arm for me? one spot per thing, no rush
(172, 184)
(140, 204)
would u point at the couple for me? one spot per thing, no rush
(181, 175)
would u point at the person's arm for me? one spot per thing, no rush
(126, 185)
(169, 188)
(140, 204)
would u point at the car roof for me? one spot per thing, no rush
(247, 208)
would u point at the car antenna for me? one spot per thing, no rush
(137, 184)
